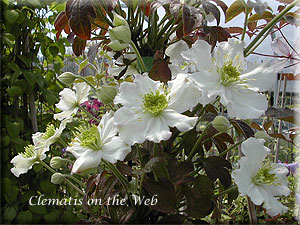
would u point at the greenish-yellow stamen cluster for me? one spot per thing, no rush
(154, 103)
(29, 151)
(229, 73)
(265, 177)
(90, 137)
(50, 131)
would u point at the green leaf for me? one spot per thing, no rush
(9, 214)
(54, 50)
(51, 217)
(14, 67)
(234, 10)
(47, 186)
(38, 209)
(14, 129)
(25, 60)
(82, 65)
(25, 217)
(11, 15)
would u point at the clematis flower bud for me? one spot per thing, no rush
(67, 78)
(57, 178)
(221, 123)
(56, 162)
(120, 34)
(106, 94)
(262, 135)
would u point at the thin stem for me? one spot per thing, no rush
(86, 81)
(231, 147)
(87, 113)
(53, 171)
(270, 25)
(233, 188)
(75, 179)
(117, 173)
(198, 141)
(139, 57)
(60, 140)
(246, 19)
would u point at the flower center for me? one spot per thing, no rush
(229, 73)
(90, 137)
(50, 131)
(265, 177)
(29, 151)
(155, 103)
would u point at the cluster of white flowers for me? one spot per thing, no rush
(149, 108)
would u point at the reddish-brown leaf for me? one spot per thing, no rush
(252, 25)
(60, 23)
(235, 30)
(267, 125)
(222, 5)
(160, 69)
(191, 19)
(79, 13)
(211, 8)
(78, 46)
(255, 126)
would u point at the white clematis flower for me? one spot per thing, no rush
(95, 143)
(25, 160)
(262, 182)
(51, 135)
(150, 108)
(70, 100)
(224, 74)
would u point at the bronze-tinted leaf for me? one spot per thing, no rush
(160, 69)
(78, 46)
(174, 8)
(79, 13)
(267, 124)
(93, 50)
(285, 114)
(222, 5)
(255, 126)
(242, 128)
(192, 19)
(235, 30)
(211, 8)
(217, 167)
(234, 10)
(164, 192)
(60, 23)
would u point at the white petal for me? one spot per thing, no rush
(272, 205)
(115, 150)
(82, 91)
(88, 160)
(67, 100)
(129, 95)
(107, 127)
(263, 77)
(254, 150)
(38, 139)
(157, 129)
(206, 81)
(64, 114)
(242, 102)
(76, 149)
(174, 52)
(58, 131)
(181, 122)
(184, 94)
(280, 47)
(21, 165)
(256, 194)
(200, 55)
(146, 85)
(132, 125)
(232, 50)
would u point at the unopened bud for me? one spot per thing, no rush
(56, 162)
(57, 178)
(262, 135)
(221, 123)
(120, 34)
(106, 94)
(67, 78)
